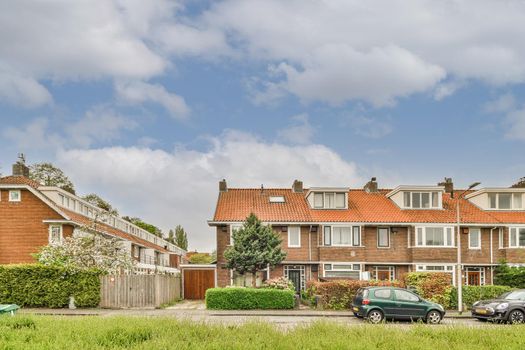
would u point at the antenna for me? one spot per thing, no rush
(21, 158)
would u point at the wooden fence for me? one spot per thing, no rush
(139, 291)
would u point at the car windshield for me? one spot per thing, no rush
(517, 295)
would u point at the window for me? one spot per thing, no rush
(343, 270)
(329, 200)
(438, 268)
(421, 200)
(15, 196)
(383, 293)
(500, 238)
(384, 273)
(342, 236)
(474, 238)
(245, 280)
(506, 201)
(294, 236)
(55, 234)
(517, 237)
(277, 199)
(383, 237)
(403, 295)
(434, 237)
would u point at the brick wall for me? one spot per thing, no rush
(22, 231)
(223, 241)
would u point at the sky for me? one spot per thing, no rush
(150, 103)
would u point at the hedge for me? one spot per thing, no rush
(433, 286)
(472, 294)
(46, 286)
(338, 294)
(239, 298)
(510, 276)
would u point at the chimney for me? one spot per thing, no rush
(449, 186)
(371, 186)
(223, 187)
(20, 168)
(297, 186)
(519, 184)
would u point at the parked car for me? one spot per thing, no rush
(379, 303)
(508, 307)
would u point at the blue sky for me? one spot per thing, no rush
(150, 104)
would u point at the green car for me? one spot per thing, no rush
(379, 303)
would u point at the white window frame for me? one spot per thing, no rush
(512, 200)
(472, 230)
(448, 268)
(329, 266)
(424, 240)
(19, 196)
(335, 207)
(232, 227)
(299, 237)
(500, 239)
(277, 199)
(387, 237)
(50, 234)
(352, 227)
(481, 271)
(391, 269)
(516, 230)
(431, 207)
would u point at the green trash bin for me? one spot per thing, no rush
(9, 309)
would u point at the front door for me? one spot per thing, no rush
(473, 278)
(295, 277)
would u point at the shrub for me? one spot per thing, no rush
(238, 298)
(338, 294)
(279, 283)
(472, 294)
(45, 286)
(433, 286)
(510, 276)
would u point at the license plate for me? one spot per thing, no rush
(481, 311)
(356, 309)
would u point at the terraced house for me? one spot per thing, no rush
(32, 216)
(339, 232)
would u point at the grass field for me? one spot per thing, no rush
(46, 332)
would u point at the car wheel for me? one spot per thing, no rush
(375, 316)
(433, 317)
(516, 317)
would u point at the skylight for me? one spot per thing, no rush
(277, 199)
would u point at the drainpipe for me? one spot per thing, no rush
(310, 243)
(491, 256)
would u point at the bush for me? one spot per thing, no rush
(510, 276)
(46, 286)
(433, 286)
(279, 283)
(238, 298)
(471, 294)
(338, 294)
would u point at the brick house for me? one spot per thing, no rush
(32, 216)
(331, 232)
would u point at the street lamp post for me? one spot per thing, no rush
(459, 270)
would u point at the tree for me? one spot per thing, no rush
(200, 258)
(255, 247)
(144, 225)
(97, 201)
(49, 175)
(181, 239)
(171, 237)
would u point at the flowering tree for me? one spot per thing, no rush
(89, 251)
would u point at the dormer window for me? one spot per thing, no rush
(506, 201)
(421, 200)
(329, 200)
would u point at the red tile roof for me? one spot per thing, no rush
(19, 180)
(237, 204)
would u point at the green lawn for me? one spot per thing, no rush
(48, 332)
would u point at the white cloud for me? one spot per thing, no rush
(181, 187)
(343, 50)
(502, 104)
(302, 132)
(137, 92)
(515, 121)
(22, 91)
(36, 135)
(443, 90)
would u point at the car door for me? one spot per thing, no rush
(385, 300)
(408, 304)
